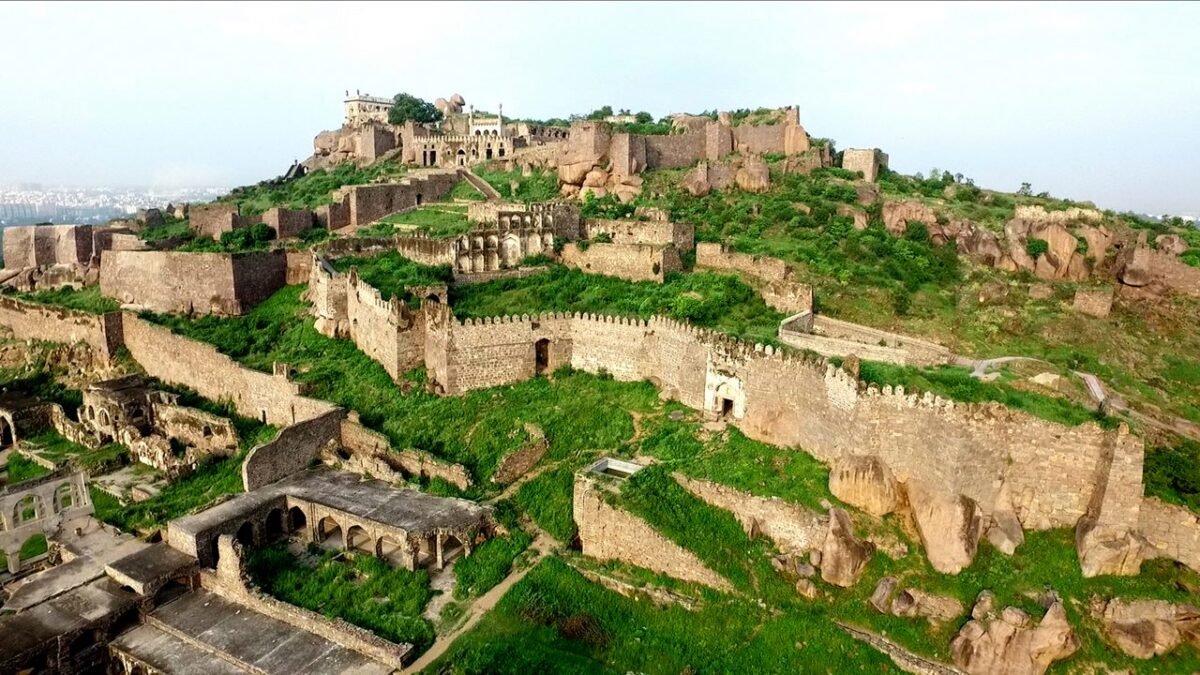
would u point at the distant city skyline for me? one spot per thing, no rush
(1085, 101)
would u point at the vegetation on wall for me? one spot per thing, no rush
(310, 190)
(719, 301)
(87, 299)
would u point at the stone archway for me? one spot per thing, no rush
(359, 541)
(329, 534)
(296, 519)
(245, 534)
(8, 432)
(273, 526)
(541, 356)
(392, 551)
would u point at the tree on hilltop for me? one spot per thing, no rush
(601, 113)
(407, 107)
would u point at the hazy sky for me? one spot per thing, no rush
(1090, 101)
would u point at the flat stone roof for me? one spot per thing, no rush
(150, 564)
(28, 630)
(203, 633)
(366, 499)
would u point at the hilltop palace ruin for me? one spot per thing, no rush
(180, 600)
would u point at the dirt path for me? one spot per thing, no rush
(481, 606)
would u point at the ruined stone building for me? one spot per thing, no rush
(159, 432)
(361, 108)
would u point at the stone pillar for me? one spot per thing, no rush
(438, 543)
(14, 560)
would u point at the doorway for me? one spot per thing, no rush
(541, 356)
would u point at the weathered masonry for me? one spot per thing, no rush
(341, 511)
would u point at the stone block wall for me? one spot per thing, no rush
(39, 245)
(385, 330)
(635, 262)
(772, 276)
(299, 267)
(30, 321)
(718, 257)
(760, 139)
(332, 216)
(609, 533)
(794, 529)
(628, 154)
(292, 450)
(674, 151)
(425, 250)
(368, 203)
(179, 360)
(203, 283)
(681, 235)
(215, 219)
(230, 581)
(372, 454)
(869, 162)
(1173, 531)
(476, 354)
(288, 222)
(831, 337)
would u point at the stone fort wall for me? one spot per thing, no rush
(37, 245)
(385, 330)
(772, 276)
(175, 359)
(610, 533)
(293, 449)
(368, 203)
(681, 235)
(635, 262)
(203, 283)
(1173, 531)
(1047, 469)
(30, 321)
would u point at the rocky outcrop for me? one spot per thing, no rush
(1148, 628)
(1109, 550)
(950, 527)
(1038, 215)
(844, 557)
(1171, 244)
(896, 215)
(753, 176)
(913, 602)
(1010, 644)
(1003, 527)
(865, 482)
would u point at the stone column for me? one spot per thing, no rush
(14, 560)
(439, 537)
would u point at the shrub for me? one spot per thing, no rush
(1036, 247)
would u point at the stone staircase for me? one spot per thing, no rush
(480, 184)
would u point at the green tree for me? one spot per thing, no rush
(407, 107)
(644, 117)
(1026, 190)
(601, 113)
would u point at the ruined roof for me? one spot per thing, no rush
(265, 645)
(367, 499)
(121, 389)
(28, 630)
(149, 565)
